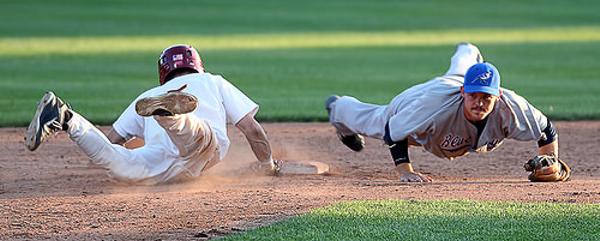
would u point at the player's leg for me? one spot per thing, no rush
(54, 115)
(466, 55)
(194, 139)
(353, 118)
(123, 164)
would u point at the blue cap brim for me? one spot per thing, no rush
(481, 89)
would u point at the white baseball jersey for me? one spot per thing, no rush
(431, 115)
(219, 103)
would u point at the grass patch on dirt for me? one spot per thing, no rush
(437, 220)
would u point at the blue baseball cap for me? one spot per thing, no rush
(482, 77)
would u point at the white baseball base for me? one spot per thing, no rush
(303, 168)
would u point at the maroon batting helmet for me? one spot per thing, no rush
(178, 57)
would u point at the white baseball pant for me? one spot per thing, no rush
(151, 164)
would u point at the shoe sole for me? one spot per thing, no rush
(34, 132)
(175, 103)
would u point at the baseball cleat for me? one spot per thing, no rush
(50, 117)
(355, 142)
(466, 55)
(171, 103)
(470, 48)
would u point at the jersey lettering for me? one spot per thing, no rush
(453, 142)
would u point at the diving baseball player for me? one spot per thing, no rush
(182, 122)
(463, 111)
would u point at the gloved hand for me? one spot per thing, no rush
(546, 168)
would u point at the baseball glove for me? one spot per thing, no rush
(546, 168)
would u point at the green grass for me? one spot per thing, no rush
(204, 17)
(110, 45)
(437, 220)
(289, 56)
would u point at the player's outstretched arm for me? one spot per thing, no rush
(399, 152)
(547, 167)
(257, 138)
(550, 149)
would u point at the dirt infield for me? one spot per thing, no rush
(54, 193)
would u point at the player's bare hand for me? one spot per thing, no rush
(414, 177)
(408, 174)
(270, 168)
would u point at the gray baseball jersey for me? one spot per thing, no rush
(431, 115)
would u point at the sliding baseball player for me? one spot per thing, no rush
(182, 122)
